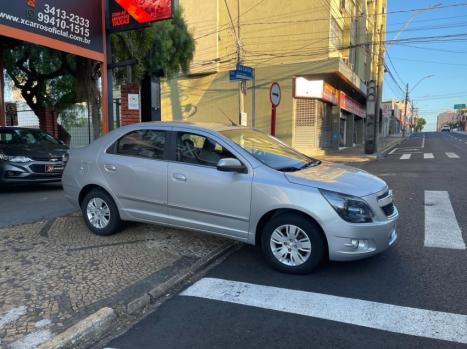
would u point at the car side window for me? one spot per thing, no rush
(142, 143)
(199, 150)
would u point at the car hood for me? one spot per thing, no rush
(339, 178)
(35, 152)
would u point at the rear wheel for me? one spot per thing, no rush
(100, 213)
(293, 244)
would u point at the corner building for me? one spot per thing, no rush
(321, 52)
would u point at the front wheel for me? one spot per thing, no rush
(100, 213)
(293, 244)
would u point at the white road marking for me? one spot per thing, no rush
(405, 156)
(452, 155)
(423, 141)
(381, 316)
(441, 227)
(428, 156)
(32, 340)
(392, 151)
(13, 315)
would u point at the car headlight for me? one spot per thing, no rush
(351, 208)
(19, 159)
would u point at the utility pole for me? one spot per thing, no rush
(405, 107)
(242, 83)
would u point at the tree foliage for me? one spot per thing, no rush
(164, 49)
(421, 122)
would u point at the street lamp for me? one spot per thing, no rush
(407, 97)
(419, 81)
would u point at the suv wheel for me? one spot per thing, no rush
(100, 213)
(292, 244)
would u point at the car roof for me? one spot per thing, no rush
(195, 125)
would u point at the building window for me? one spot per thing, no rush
(336, 34)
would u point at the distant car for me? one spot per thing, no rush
(30, 156)
(445, 128)
(234, 182)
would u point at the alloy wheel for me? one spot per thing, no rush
(290, 245)
(98, 213)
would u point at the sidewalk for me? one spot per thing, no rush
(56, 273)
(357, 154)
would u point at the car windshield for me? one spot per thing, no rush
(26, 137)
(270, 150)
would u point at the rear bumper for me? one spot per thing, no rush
(357, 241)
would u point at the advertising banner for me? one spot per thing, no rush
(351, 105)
(135, 14)
(74, 26)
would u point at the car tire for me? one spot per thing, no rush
(101, 213)
(296, 240)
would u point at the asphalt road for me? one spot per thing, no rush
(409, 276)
(26, 204)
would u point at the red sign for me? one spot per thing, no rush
(133, 14)
(351, 105)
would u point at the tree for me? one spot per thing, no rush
(41, 75)
(163, 50)
(421, 122)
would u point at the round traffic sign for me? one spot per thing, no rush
(275, 94)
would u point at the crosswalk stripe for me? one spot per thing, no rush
(441, 227)
(381, 316)
(405, 156)
(452, 155)
(392, 151)
(428, 156)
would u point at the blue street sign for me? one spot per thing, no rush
(245, 71)
(241, 73)
(233, 75)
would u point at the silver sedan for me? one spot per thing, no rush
(234, 182)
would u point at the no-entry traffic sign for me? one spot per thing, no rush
(275, 97)
(275, 94)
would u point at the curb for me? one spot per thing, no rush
(94, 325)
(151, 296)
(383, 152)
(90, 330)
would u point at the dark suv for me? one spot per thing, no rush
(30, 156)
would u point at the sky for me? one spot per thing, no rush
(411, 61)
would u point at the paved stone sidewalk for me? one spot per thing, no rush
(56, 272)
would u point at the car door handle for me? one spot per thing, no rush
(110, 168)
(179, 177)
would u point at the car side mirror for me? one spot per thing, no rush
(231, 165)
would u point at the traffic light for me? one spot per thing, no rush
(371, 90)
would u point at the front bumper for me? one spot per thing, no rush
(30, 172)
(362, 240)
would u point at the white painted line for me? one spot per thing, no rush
(452, 155)
(32, 340)
(428, 156)
(392, 151)
(405, 156)
(386, 317)
(423, 141)
(13, 315)
(441, 227)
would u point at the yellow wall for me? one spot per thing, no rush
(280, 41)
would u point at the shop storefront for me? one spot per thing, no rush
(325, 117)
(314, 101)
